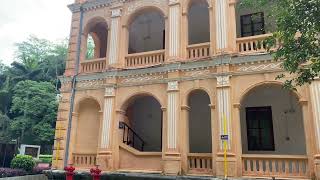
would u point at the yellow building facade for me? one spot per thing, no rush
(181, 87)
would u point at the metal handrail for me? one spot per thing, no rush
(126, 136)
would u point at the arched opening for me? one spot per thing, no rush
(200, 138)
(199, 22)
(97, 35)
(87, 127)
(272, 122)
(142, 126)
(147, 32)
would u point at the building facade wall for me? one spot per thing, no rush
(226, 76)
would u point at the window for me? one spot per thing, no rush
(252, 24)
(260, 129)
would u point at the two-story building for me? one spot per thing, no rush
(168, 80)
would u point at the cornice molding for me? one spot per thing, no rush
(89, 5)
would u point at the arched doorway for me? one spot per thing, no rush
(200, 137)
(198, 22)
(142, 126)
(272, 122)
(96, 39)
(87, 127)
(147, 32)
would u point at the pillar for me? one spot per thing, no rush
(225, 127)
(104, 159)
(172, 164)
(114, 37)
(221, 25)
(184, 134)
(315, 99)
(174, 29)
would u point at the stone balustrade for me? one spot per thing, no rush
(200, 163)
(145, 59)
(252, 44)
(283, 166)
(198, 51)
(93, 66)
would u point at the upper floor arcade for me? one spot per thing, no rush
(134, 34)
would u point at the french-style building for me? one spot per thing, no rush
(171, 84)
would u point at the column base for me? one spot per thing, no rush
(105, 161)
(172, 164)
(231, 165)
(317, 167)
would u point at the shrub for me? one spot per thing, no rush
(7, 172)
(24, 162)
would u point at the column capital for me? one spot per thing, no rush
(223, 81)
(109, 92)
(116, 12)
(174, 2)
(173, 86)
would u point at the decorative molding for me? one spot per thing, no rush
(173, 2)
(261, 67)
(142, 79)
(173, 86)
(90, 84)
(198, 73)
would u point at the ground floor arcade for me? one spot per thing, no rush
(176, 128)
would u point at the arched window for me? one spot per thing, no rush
(97, 36)
(199, 122)
(198, 22)
(147, 32)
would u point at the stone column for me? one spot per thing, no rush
(221, 25)
(315, 99)
(225, 126)
(172, 157)
(184, 134)
(114, 37)
(105, 149)
(174, 29)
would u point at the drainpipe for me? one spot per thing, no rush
(73, 89)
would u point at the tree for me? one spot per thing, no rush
(35, 106)
(4, 128)
(297, 31)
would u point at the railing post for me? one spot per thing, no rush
(69, 172)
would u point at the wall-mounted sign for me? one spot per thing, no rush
(224, 137)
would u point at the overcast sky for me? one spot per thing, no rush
(49, 19)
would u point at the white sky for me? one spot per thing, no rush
(49, 19)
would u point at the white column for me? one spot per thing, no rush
(315, 98)
(114, 41)
(174, 28)
(221, 24)
(107, 118)
(224, 108)
(172, 114)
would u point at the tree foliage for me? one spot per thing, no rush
(35, 106)
(298, 34)
(28, 90)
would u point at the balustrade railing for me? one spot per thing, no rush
(130, 137)
(197, 51)
(275, 166)
(84, 160)
(253, 44)
(145, 59)
(94, 65)
(200, 163)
